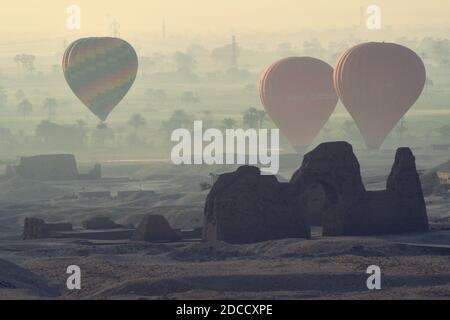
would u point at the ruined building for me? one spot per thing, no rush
(51, 167)
(326, 190)
(345, 207)
(245, 206)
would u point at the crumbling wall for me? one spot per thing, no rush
(404, 182)
(350, 210)
(326, 190)
(244, 206)
(35, 228)
(334, 168)
(48, 167)
(154, 227)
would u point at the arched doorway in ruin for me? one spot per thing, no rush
(316, 198)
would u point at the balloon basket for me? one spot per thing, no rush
(102, 126)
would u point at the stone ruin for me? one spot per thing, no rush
(48, 167)
(35, 228)
(245, 206)
(330, 185)
(154, 227)
(327, 190)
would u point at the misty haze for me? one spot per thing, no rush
(91, 95)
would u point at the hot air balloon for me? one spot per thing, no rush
(100, 71)
(299, 96)
(378, 83)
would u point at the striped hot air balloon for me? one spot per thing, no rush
(100, 71)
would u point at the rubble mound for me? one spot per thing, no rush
(100, 223)
(154, 228)
(35, 228)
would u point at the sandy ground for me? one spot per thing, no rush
(321, 268)
(414, 266)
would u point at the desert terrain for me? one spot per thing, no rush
(413, 266)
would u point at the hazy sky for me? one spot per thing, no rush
(43, 18)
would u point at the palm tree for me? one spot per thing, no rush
(50, 104)
(229, 123)
(25, 107)
(137, 121)
(185, 62)
(178, 119)
(26, 60)
(254, 118)
(261, 116)
(250, 118)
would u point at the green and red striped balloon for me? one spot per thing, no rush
(100, 71)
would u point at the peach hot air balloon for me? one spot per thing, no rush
(378, 83)
(299, 96)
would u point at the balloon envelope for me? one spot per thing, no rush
(100, 71)
(378, 83)
(299, 96)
